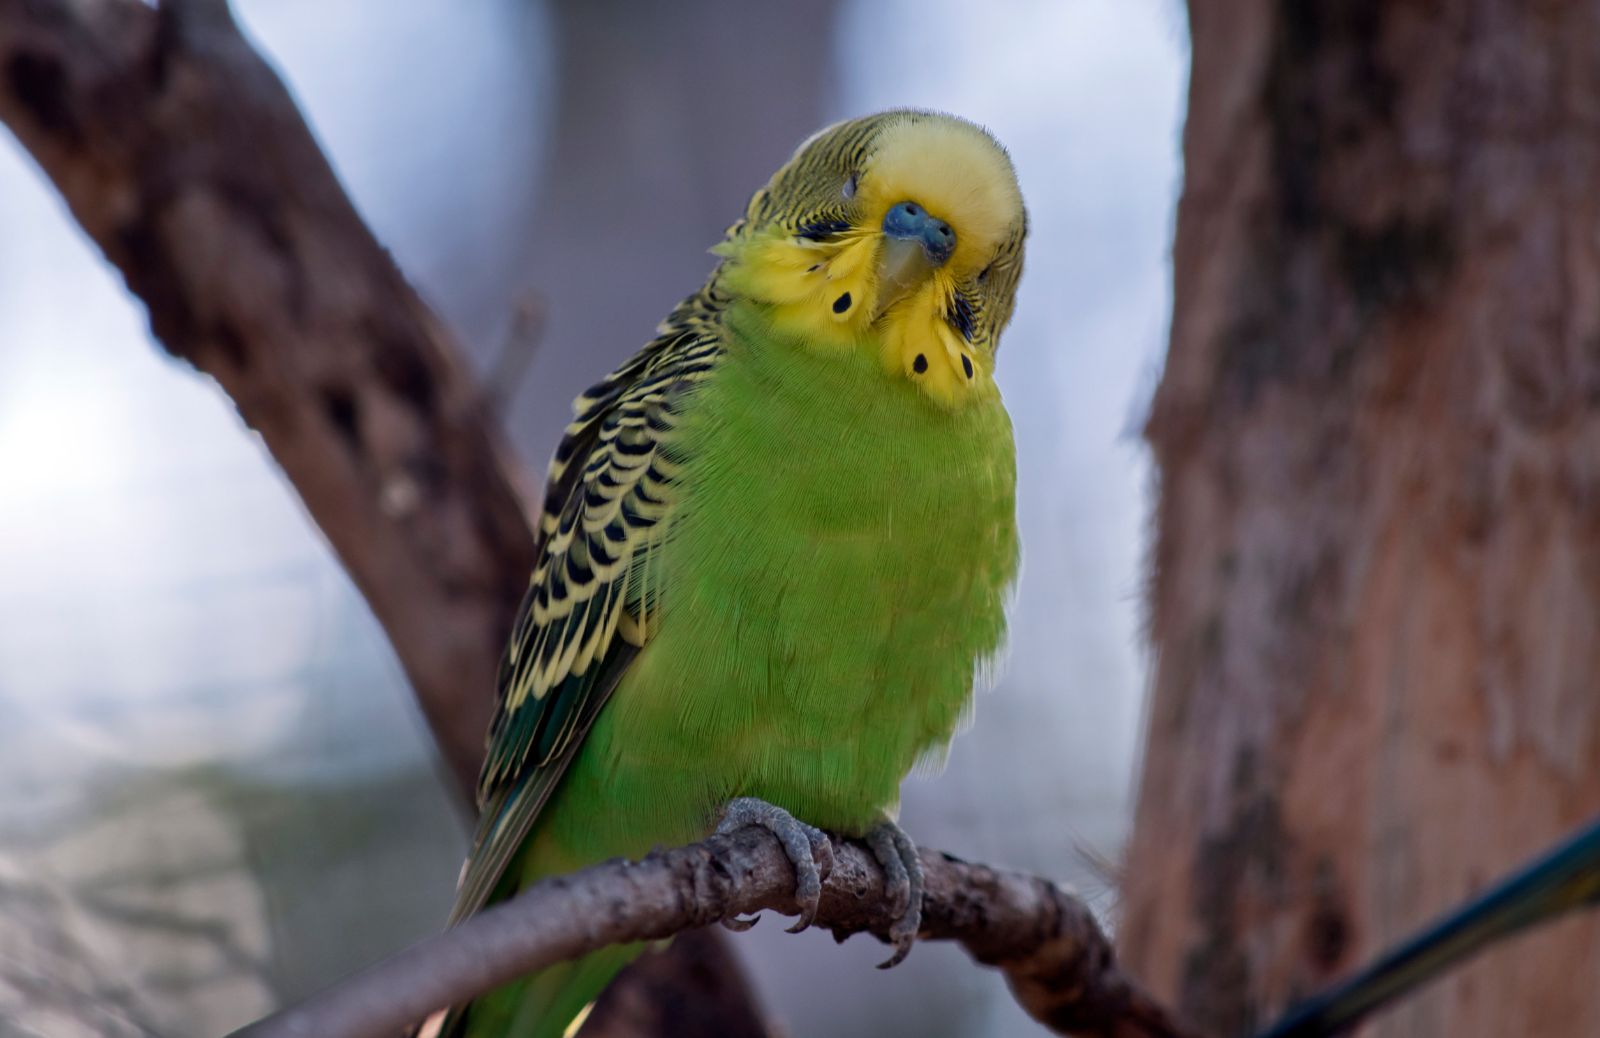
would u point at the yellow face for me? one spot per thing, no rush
(900, 233)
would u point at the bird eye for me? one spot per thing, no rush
(849, 190)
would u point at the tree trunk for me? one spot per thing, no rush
(1376, 597)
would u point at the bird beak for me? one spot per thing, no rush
(916, 243)
(910, 222)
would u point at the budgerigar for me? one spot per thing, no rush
(776, 543)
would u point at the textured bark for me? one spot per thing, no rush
(1377, 576)
(1053, 953)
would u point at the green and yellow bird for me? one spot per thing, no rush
(776, 545)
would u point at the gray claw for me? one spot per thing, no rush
(806, 845)
(902, 886)
(739, 924)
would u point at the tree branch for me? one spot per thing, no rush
(185, 159)
(1054, 955)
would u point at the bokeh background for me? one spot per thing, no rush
(216, 794)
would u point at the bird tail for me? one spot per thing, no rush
(549, 1004)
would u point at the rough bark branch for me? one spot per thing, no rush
(1054, 955)
(1376, 577)
(184, 157)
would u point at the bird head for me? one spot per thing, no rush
(899, 233)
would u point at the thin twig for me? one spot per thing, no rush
(509, 369)
(1056, 958)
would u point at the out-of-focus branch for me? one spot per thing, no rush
(183, 156)
(1055, 957)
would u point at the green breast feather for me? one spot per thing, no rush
(837, 575)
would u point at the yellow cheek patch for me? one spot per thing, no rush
(825, 291)
(918, 342)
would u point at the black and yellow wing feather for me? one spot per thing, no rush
(611, 492)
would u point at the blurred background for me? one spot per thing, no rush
(218, 794)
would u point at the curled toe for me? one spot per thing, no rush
(902, 886)
(806, 847)
(739, 924)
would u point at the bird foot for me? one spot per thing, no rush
(902, 886)
(806, 845)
